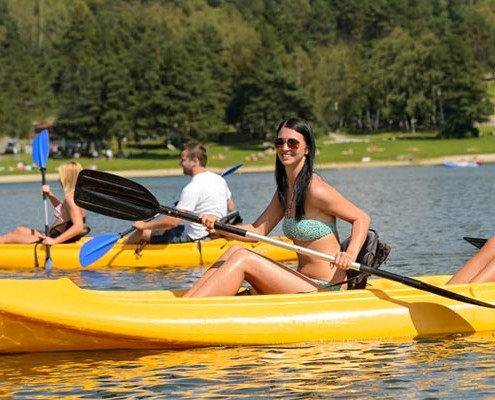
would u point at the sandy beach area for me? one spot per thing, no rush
(35, 176)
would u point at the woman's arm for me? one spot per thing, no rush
(53, 199)
(76, 217)
(332, 203)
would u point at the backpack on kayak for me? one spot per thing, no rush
(373, 254)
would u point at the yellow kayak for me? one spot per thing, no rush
(66, 256)
(57, 315)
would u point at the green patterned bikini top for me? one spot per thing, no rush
(306, 229)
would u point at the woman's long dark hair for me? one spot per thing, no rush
(304, 177)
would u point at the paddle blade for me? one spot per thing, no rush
(41, 149)
(114, 196)
(231, 169)
(477, 242)
(96, 248)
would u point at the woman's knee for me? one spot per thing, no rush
(243, 253)
(241, 258)
(23, 230)
(234, 248)
(231, 252)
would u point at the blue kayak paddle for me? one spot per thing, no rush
(41, 151)
(97, 247)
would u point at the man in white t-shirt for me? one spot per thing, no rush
(206, 193)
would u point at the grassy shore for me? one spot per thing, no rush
(334, 151)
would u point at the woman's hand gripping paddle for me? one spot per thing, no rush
(97, 247)
(41, 151)
(117, 197)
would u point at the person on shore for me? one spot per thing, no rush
(479, 268)
(309, 208)
(69, 223)
(207, 192)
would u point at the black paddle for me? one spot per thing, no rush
(97, 247)
(118, 197)
(477, 242)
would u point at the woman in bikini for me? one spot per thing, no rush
(309, 208)
(69, 223)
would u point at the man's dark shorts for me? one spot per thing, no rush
(174, 235)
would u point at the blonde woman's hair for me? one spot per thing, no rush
(68, 173)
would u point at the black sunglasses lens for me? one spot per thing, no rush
(293, 143)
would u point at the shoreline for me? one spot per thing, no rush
(486, 158)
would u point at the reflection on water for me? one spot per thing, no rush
(448, 368)
(422, 212)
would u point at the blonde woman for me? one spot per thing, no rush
(69, 223)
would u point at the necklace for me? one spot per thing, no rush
(291, 203)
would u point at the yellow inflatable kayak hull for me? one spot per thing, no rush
(183, 255)
(57, 315)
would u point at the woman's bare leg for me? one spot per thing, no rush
(212, 270)
(487, 274)
(21, 235)
(265, 275)
(475, 266)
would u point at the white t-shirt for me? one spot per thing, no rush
(207, 193)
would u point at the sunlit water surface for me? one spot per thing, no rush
(422, 212)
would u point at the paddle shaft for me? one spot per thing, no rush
(41, 152)
(45, 204)
(45, 199)
(303, 250)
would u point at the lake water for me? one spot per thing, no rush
(422, 212)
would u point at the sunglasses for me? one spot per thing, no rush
(292, 144)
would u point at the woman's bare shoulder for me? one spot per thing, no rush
(319, 187)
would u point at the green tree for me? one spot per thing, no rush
(194, 87)
(78, 82)
(119, 32)
(337, 85)
(266, 94)
(404, 72)
(464, 98)
(24, 92)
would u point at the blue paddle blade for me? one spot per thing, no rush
(48, 264)
(231, 169)
(96, 248)
(41, 149)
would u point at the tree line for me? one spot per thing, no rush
(212, 69)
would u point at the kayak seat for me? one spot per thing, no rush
(232, 219)
(373, 254)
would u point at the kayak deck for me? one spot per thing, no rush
(180, 255)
